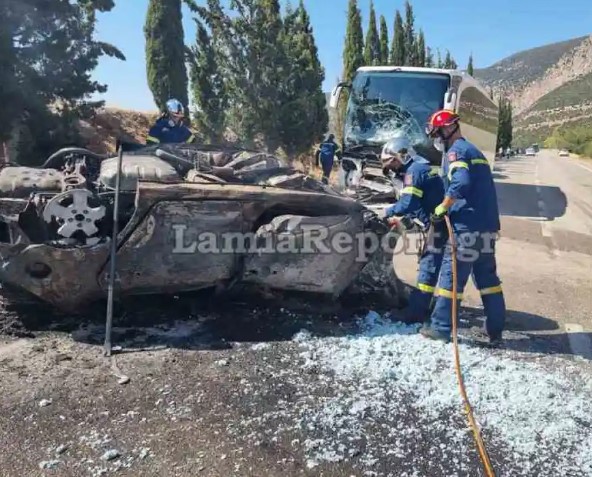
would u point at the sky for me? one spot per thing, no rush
(489, 30)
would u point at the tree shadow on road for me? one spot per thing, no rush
(197, 320)
(202, 321)
(529, 333)
(527, 200)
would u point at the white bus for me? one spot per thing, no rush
(385, 101)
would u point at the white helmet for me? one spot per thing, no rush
(399, 147)
(174, 106)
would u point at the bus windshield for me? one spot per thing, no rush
(383, 104)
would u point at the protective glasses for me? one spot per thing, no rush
(431, 131)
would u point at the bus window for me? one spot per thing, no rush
(385, 103)
(477, 110)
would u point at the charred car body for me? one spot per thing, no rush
(178, 207)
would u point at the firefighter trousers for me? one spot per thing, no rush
(476, 257)
(327, 166)
(430, 263)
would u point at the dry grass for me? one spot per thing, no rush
(109, 124)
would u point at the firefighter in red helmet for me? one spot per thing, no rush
(471, 204)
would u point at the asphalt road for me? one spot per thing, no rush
(546, 250)
(244, 390)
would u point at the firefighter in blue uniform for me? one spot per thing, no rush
(325, 154)
(423, 190)
(169, 128)
(471, 204)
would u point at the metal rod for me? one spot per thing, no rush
(112, 271)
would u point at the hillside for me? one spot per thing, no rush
(529, 75)
(98, 133)
(526, 66)
(570, 102)
(101, 132)
(551, 91)
(561, 118)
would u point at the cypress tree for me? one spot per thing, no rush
(429, 61)
(353, 54)
(384, 41)
(505, 126)
(421, 49)
(410, 46)
(509, 124)
(304, 116)
(11, 96)
(439, 63)
(453, 63)
(268, 29)
(398, 44)
(165, 52)
(353, 51)
(207, 87)
(252, 65)
(449, 62)
(501, 129)
(372, 46)
(470, 69)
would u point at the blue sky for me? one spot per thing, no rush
(491, 30)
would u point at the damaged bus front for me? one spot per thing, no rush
(385, 102)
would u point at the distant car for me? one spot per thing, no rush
(530, 152)
(564, 153)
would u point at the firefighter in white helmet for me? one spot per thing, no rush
(423, 190)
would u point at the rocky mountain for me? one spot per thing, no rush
(550, 87)
(528, 75)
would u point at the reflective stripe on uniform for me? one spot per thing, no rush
(456, 165)
(491, 291)
(426, 288)
(447, 294)
(480, 161)
(413, 191)
(153, 139)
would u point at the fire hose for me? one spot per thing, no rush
(483, 455)
(481, 449)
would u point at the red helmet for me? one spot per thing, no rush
(441, 119)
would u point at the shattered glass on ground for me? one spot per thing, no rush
(386, 401)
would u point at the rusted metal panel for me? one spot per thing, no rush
(255, 200)
(179, 245)
(135, 168)
(72, 278)
(19, 182)
(150, 192)
(321, 254)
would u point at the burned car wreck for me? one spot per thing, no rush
(183, 211)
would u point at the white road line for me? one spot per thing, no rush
(583, 166)
(579, 342)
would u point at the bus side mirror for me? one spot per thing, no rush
(450, 100)
(336, 93)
